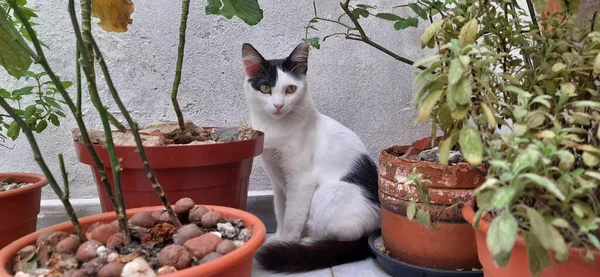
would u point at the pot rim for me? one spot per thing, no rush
(208, 269)
(468, 212)
(41, 181)
(387, 152)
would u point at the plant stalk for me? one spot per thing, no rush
(65, 175)
(39, 57)
(84, 44)
(185, 6)
(40, 161)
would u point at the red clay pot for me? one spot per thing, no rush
(19, 208)
(215, 174)
(452, 244)
(235, 263)
(518, 265)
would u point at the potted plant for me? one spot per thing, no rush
(184, 239)
(209, 165)
(428, 179)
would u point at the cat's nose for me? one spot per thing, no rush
(278, 106)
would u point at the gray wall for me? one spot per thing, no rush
(351, 82)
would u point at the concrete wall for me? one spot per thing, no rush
(350, 81)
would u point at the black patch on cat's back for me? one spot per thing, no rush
(364, 174)
(267, 75)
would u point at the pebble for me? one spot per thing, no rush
(142, 219)
(112, 269)
(137, 268)
(227, 230)
(116, 241)
(209, 257)
(211, 218)
(68, 245)
(196, 213)
(186, 233)
(203, 245)
(43, 237)
(103, 232)
(225, 247)
(87, 251)
(244, 235)
(166, 270)
(184, 205)
(176, 256)
(54, 238)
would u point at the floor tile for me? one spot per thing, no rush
(258, 271)
(364, 268)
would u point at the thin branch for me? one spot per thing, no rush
(78, 79)
(37, 154)
(65, 176)
(185, 9)
(84, 43)
(354, 20)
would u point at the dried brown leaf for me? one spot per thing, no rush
(114, 15)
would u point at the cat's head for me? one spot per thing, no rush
(275, 87)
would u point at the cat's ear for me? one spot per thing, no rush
(299, 58)
(252, 59)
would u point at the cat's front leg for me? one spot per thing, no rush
(298, 200)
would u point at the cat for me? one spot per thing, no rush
(324, 182)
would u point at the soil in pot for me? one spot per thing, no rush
(209, 172)
(157, 247)
(20, 196)
(451, 245)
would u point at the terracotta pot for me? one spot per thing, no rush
(452, 244)
(235, 263)
(214, 174)
(19, 208)
(518, 265)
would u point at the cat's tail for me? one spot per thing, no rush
(292, 257)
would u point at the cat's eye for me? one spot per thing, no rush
(290, 89)
(265, 89)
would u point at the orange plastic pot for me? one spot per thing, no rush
(214, 174)
(452, 244)
(236, 263)
(19, 208)
(518, 265)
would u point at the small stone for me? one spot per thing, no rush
(196, 213)
(113, 269)
(184, 205)
(209, 257)
(227, 230)
(166, 270)
(244, 235)
(137, 268)
(217, 233)
(164, 217)
(93, 226)
(225, 247)
(176, 256)
(43, 237)
(238, 243)
(112, 256)
(103, 232)
(87, 251)
(203, 245)
(156, 215)
(26, 252)
(211, 218)
(92, 267)
(68, 245)
(142, 219)
(186, 233)
(102, 252)
(116, 241)
(54, 238)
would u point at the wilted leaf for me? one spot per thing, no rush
(597, 64)
(430, 32)
(545, 183)
(558, 67)
(461, 92)
(445, 146)
(471, 145)
(247, 10)
(538, 257)
(424, 218)
(567, 159)
(13, 54)
(559, 245)
(411, 210)
(455, 72)
(468, 32)
(114, 15)
(590, 159)
(561, 223)
(427, 105)
(489, 115)
(501, 237)
(444, 117)
(426, 60)
(519, 129)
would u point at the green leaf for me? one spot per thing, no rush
(545, 183)
(445, 147)
(30, 111)
(412, 22)
(594, 240)
(426, 60)
(66, 84)
(468, 33)
(501, 237)
(540, 228)
(538, 257)
(411, 210)
(424, 218)
(559, 245)
(358, 12)
(561, 223)
(389, 16)
(590, 159)
(519, 129)
(401, 25)
(525, 159)
(456, 72)
(22, 91)
(461, 93)
(430, 32)
(558, 67)
(418, 10)
(41, 126)
(14, 56)
(52, 102)
(503, 197)
(471, 145)
(567, 159)
(427, 105)
(445, 117)
(13, 129)
(247, 10)
(365, 6)
(314, 42)
(489, 116)
(4, 93)
(54, 119)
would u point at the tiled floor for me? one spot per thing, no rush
(365, 268)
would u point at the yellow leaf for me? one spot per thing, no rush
(597, 64)
(114, 15)
(427, 105)
(468, 33)
(489, 114)
(430, 32)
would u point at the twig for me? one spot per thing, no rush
(87, 65)
(65, 176)
(40, 58)
(40, 160)
(185, 8)
(78, 78)
(134, 129)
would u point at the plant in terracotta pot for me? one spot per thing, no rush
(209, 165)
(186, 239)
(428, 179)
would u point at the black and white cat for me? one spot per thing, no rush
(324, 182)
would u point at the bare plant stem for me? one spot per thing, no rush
(134, 129)
(40, 161)
(78, 79)
(185, 6)
(65, 175)
(39, 57)
(85, 44)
